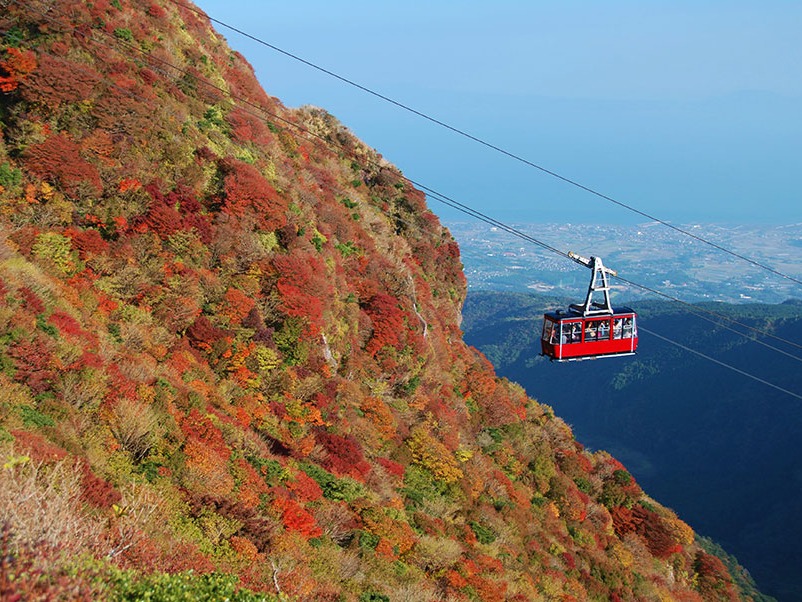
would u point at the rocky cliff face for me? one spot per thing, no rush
(229, 342)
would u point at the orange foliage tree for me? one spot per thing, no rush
(235, 306)
(14, 67)
(296, 518)
(207, 455)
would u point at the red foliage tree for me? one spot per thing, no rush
(243, 83)
(58, 80)
(88, 242)
(394, 468)
(202, 334)
(31, 300)
(119, 384)
(66, 324)
(246, 127)
(37, 447)
(388, 323)
(345, 455)
(649, 526)
(305, 488)
(34, 363)
(58, 159)
(156, 11)
(96, 490)
(303, 287)
(194, 217)
(163, 219)
(248, 192)
(714, 581)
(162, 216)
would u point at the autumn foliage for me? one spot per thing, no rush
(15, 66)
(231, 349)
(247, 192)
(59, 160)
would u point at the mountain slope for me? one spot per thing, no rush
(230, 344)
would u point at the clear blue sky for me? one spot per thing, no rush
(689, 110)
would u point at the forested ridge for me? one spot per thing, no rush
(231, 362)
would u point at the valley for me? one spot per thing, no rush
(719, 448)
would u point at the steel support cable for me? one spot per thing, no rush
(322, 142)
(482, 217)
(491, 146)
(719, 362)
(695, 310)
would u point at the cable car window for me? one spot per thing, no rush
(628, 330)
(591, 331)
(573, 332)
(604, 330)
(548, 331)
(618, 328)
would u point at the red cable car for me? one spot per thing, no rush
(593, 329)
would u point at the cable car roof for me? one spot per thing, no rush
(562, 314)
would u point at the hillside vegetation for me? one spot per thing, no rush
(231, 362)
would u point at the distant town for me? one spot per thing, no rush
(650, 255)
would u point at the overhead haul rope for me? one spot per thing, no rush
(467, 210)
(323, 143)
(443, 199)
(693, 309)
(719, 362)
(490, 145)
(320, 141)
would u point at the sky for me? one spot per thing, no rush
(690, 111)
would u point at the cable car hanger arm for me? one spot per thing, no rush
(598, 283)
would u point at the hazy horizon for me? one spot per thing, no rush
(689, 112)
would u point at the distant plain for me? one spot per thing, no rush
(650, 254)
